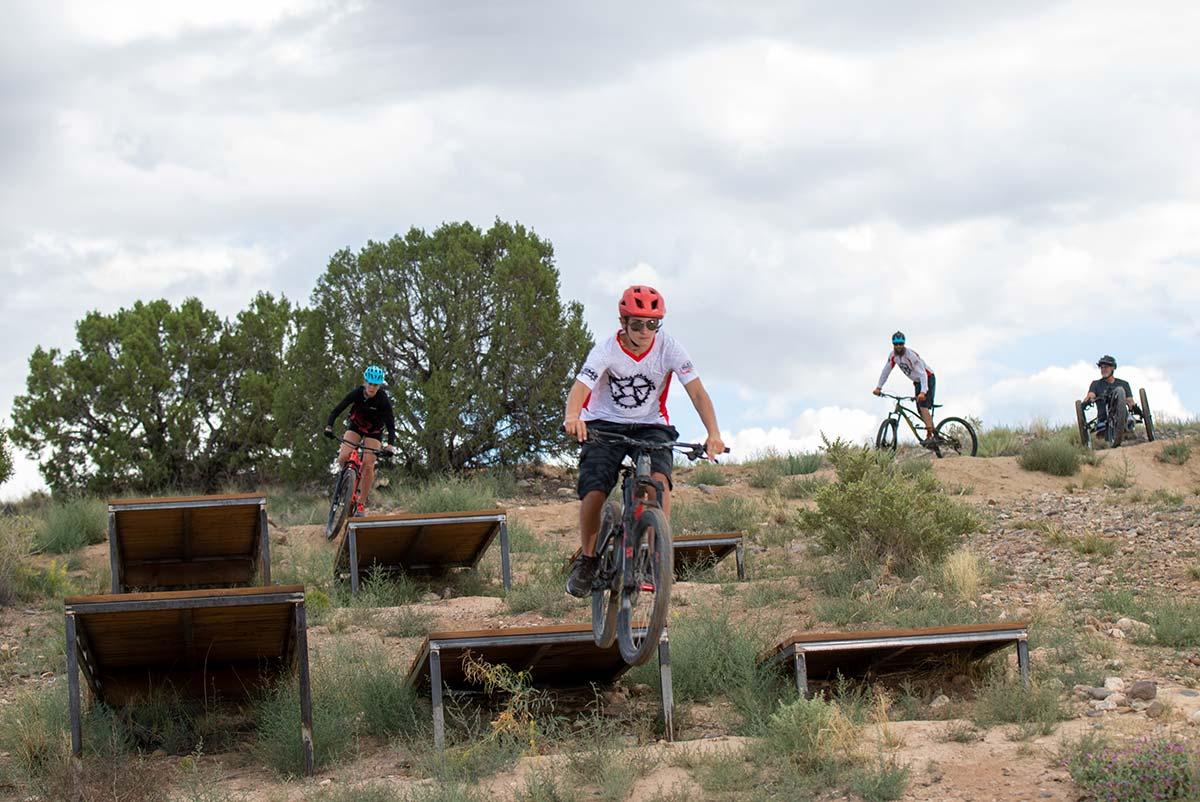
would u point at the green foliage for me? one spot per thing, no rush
(544, 786)
(1055, 457)
(769, 467)
(155, 396)
(706, 473)
(802, 487)
(6, 463)
(874, 514)
(1176, 623)
(726, 514)
(1002, 700)
(544, 591)
(880, 781)
(1148, 770)
(450, 494)
(453, 316)
(70, 525)
(810, 734)
(1175, 452)
(1000, 441)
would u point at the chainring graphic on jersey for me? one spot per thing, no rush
(630, 392)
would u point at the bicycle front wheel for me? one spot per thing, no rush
(606, 595)
(888, 434)
(956, 437)
(339, 502)
(1118, 417)
(644, 607)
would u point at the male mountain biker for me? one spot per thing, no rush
(370, 413)
(622, 387)
(924, 383)
(1106, 384)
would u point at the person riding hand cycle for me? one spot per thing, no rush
(1103, 386)
(370, 413)
(924, 382)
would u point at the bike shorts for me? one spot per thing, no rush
(373, 434)
(600, 462)
(928, 402)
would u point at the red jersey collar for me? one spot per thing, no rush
(631, 354)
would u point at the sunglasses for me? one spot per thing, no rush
(647, 325)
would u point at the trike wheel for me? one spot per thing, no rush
(607, 599)
(1118, 417)
(1085, 439)
(644, 608)
(1147, 417)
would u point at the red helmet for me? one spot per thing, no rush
(642, 301)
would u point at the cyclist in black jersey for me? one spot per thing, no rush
(1101, 387)
(370, 413)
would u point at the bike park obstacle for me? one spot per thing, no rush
(421, 542)
(560, 656)
(697, 551)
(200, 644)
(825, 655)
(189, 542)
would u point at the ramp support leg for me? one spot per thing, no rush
(264, 546)
(352, 546)
(306, 727)
(739, 554)
(73, 691)
(505, 568)
(1023, 661)
(800, 666)
(668, 692)
(435, 696)
(114, 561)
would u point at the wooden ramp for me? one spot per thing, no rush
(422, 542)
(189, 542)
(563, 656)
(694, 552)
(825, 655)
(223, 645)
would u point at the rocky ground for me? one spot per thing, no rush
(1077, 556)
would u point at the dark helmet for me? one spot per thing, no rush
(1107, 360)
(898, 338)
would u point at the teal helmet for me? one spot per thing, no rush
(898, 338)
(373, 375)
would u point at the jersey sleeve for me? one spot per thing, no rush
(887, 371)
(341, 407)
(679, 363)
(593, 367)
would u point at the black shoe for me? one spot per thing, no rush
(583, 571)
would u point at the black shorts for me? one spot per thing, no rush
(600, 463)
(374, 434)
(928, 402)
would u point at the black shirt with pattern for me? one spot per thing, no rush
(368, 415)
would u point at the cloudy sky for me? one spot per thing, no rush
(1015, 185)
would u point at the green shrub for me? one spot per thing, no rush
(706, 473)
(802, 463)
(1055, 457)
(1176, 623)
(1002, 700)
(451, 494)
(1149, 770)
(70, 525)
(727, 514)
(881, 781)
(544, 590)
(810, 734)
(1175, 452)
(1000, 441)
(802, 487)
(874, 515)
(765, 473)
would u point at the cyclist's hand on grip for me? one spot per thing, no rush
(329, 432)
(714, 445)
(877, 391)
(575, 428)
(920, 396)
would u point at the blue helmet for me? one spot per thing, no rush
(373, 375)
(898, 338)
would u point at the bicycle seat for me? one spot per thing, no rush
(937, 406)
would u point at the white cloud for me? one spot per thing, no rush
(804, 434)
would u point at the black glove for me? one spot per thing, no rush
(329, 432)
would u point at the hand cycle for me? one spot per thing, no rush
(344, 496)
(951, 434)
(631, 593)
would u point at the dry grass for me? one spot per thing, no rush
(963, 574)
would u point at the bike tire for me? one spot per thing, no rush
(1147, 418)
(638, 639)
(339, 503)
(606, 601)
(1085, 439)
(1118, 417)
(887, 435)
(961, 438)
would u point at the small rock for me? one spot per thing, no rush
(565, 492)
(447, 592)
(524, 484)
(1156, 709)
(1105, 704)
(1143, 689)
(1114, 683)
(326, 781)
(1116, 633)
(1100, 693)
(1139, 705)
(430, 597)
(1194, 718)
(640, 689)
(705, 489)
(939, 702)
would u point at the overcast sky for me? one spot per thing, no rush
(1016, 185)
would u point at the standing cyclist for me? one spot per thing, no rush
(924, 383)
(370, 412)
(622, 387)
(1104, 385)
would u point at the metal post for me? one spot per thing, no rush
(739, 554)
(1023, 661)
(505, 568)
(800, 666)
(114, 560)
(435, 696)
(352, 545)
(306, 726)
(668, 692)
(73, 691)
(264, 546)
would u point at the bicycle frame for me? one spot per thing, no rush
(902, 412)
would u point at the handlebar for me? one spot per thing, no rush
(899, 397)
(382, 452)
(693, 451)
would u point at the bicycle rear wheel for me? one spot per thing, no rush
(644, 608)
(339, 502)
(956, 437)
(888, 434)
(607, 599)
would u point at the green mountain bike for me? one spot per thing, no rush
(951, 437)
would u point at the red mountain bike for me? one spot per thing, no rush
(345, 493)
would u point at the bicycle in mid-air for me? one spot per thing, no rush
(344, 496)
(952, 436)
(631, 592)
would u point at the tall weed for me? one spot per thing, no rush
(70, 525)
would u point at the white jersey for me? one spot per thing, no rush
(911, 365)
(632, 389)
